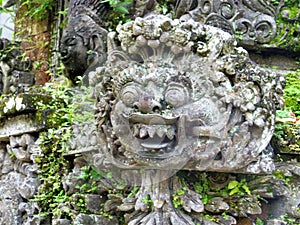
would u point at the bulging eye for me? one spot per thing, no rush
(176, 95)
(130, 94)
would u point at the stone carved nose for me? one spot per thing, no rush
(147, 104)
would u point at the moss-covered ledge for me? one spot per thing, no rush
(19, 114)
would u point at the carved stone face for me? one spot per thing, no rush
(172, 101)
(157, 116)
(74, 55)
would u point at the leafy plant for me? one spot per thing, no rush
(64, 108)
(37, 8)
(119, 6)
(165, 7)
(177, 200)
(238, 187)
(292, 93)
(133, 192)
(148, 201)
(203, 188)
(259, 222)
(287, 26)
(119, 13)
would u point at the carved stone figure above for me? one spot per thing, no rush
(82, 45)
(257, 25)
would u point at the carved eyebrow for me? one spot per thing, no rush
(185, 81)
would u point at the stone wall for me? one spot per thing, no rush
(52, 171)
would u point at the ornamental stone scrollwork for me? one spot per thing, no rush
(256, 24)
(250, 21)
(180, 95)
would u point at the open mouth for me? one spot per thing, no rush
(156, 140)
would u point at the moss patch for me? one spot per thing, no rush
(288, 26)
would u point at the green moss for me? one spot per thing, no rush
(287, 137)
(288, 26)
(292, 93)
(287, 129)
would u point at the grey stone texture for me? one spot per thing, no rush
(179, 104)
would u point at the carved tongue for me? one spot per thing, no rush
(154, 143)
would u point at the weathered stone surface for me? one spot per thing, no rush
(61, 222)
(179, 94)
(93, 203)
(19, 182)
(15, 72)
(163, 119)
(84, 138)
(18, 125)
(172, 95)
(217, 205)
(90, 219)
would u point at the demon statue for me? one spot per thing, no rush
(179, 95)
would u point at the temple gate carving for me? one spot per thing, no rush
(182, 123)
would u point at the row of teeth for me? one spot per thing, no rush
(142, 131)
(158, 151)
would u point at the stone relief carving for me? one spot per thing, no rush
(251, 21)
(181, 95)
(176, 86)
(175, 95)
(19, 182)
(15, 70)
(82, 45)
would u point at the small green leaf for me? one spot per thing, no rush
(180, 192)
(233, 184)
(122, 9)
(65, 12)
(246, 189)
(90, 52)
(234, 191)
(109, 175)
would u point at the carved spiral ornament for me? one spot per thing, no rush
(253, 22)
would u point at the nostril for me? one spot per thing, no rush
(156, 109)
(135, 105)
